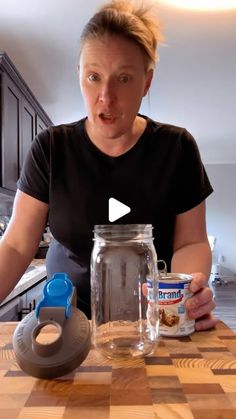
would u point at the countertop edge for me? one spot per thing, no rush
(27, 280)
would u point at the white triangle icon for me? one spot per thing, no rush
(117, 209)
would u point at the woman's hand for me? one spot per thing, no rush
(200, 305)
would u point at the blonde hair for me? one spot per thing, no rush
(129, 20)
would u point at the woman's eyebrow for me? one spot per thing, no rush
(123, 66)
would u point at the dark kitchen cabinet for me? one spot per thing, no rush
(40, 125)
(21, 118)
(17, 308)
(11, 98)
(30, 299)
(28, 120)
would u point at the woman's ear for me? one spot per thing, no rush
(148, 81)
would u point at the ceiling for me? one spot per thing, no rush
(195, 81)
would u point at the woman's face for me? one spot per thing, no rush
(113, 81)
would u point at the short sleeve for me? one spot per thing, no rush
(35, 175)
(193, 185)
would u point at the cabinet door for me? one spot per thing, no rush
(34, 295)
(28, 129)
(40, 125)
(11, 122)
(30, 299)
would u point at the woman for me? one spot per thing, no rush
(73, 169)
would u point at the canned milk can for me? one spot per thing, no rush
(172, 295)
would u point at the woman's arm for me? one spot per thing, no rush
(192, 255)
(21, 239)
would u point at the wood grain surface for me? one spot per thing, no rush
(189, 377)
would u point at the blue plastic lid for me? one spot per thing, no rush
(57, 293)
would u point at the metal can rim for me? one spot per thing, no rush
(170, 277)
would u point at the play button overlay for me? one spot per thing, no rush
(117, 209)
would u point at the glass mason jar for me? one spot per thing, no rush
(124, 288)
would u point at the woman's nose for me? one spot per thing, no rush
(107, 93)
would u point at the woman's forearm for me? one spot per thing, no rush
(12, 266)
(191, 258)
(20, 240)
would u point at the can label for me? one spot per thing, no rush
(172, 295)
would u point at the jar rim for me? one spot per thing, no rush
(123, 231)
(122, 227)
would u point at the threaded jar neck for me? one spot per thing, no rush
(123, 232)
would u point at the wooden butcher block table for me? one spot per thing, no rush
(191, 377)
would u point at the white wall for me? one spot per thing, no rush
(221, 214)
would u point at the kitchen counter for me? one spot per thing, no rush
(191, 378)
(34, 273)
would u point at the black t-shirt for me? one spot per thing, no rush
(159, 177)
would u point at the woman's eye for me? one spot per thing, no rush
(124, 78)
(93, 77)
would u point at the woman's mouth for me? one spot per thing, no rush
(107, 117)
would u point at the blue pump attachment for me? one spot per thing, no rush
(57, 293)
